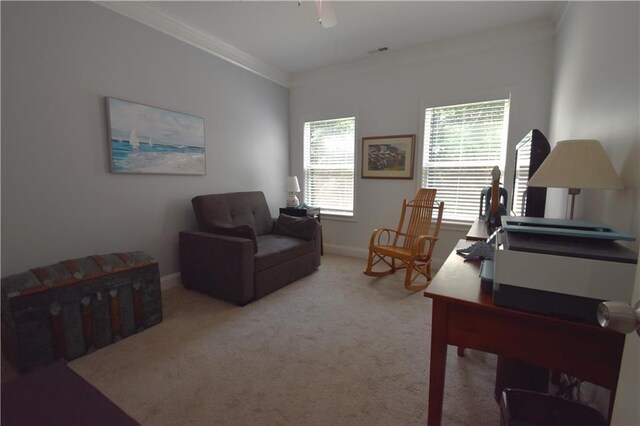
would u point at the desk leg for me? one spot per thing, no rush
(437, 367)
(612, 399)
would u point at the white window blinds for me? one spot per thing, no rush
(329, 165)
(462, 143)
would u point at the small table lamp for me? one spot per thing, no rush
(577, 164)
(292, 187)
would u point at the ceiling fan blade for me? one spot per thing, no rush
(326, 13)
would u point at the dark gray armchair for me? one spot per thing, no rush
(240, 253)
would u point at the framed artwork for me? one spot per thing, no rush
(145, 139)
(388, 157)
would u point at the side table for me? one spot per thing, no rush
(313, 212)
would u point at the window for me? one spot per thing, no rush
(462, 143)
(329, 165)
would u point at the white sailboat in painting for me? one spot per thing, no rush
(150, 143)
(133, 141)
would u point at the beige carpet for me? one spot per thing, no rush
(334, 348)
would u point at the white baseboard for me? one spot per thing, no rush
(361, 253)
(170, 281)
(346, 251)
(173, 280)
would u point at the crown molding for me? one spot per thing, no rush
(147, 15)
(425, 53)
(560, 13)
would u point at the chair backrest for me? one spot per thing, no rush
(235, 208)
(420, 214)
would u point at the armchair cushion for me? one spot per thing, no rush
(305, 228)
(275, 249)
(242, 231)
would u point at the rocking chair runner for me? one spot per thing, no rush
(411, 246)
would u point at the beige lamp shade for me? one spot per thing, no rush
(292, 184)
(577, 164)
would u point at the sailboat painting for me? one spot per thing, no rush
(146, 139)
(133, 141)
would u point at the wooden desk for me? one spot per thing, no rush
(465, 316)
(478, 231)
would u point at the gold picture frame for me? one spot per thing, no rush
(388, 157)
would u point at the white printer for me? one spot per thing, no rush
(561, 268)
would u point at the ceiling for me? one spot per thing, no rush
(280, 40)
(288, 37)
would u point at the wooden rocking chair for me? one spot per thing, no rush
(411, 246)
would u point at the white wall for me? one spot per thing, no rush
(597, 96)
(388, 94)
(59, 200)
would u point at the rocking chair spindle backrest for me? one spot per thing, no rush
(412, 246)
(420, 215)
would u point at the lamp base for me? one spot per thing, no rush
(292, 200)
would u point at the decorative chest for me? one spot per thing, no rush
(74, 307)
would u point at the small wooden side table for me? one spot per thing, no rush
(313, 212)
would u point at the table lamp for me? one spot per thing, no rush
(292, 187)
(577, 164)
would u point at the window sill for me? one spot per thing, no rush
(337, 217)
(459, 226)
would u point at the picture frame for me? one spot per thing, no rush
(149, 140)
(388, 157)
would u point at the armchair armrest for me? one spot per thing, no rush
(232, 230)
(305, 228)
(419, 245)
(220, 265)
(377, 234)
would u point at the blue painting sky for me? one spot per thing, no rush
(162, 126)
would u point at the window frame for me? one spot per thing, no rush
(489, 96)
(326, 117)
